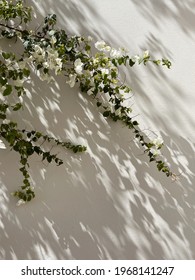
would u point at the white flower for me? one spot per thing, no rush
(115, 53)
(2, 145)
(121, 93)
(78, 66)
(102, 46)
(20, 202)
(39, 53)
(154, 151)
(104, 71)
(52, 54)
(146, 54)
(11, 65)
(53, 40)
(59, 61)
(90, 91)
(58, 69)
(158, 142)
(118, 53)
(118, 112)
(72, 80)
(38, 49)
(110, 107)
(126, 104)
(135, 58)
(45, 64)
(89, 39)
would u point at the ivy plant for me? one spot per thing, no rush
(51, 51)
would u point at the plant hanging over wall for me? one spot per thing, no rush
(50, 51)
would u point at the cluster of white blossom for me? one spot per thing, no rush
(101, 71)
(157, 144)
(98, 73)
(49, 58)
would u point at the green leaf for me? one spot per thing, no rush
(26, 72)
(23, 161)
(37, 150)
(6, 55)
(106, 114)
(17, 107)
(3, 81)
(160, 166)
(8, 90)
(29, 134)
(135, 123)
(75, 149)
(2, 116)
(87, 47)
(120, 60)
(131, 62)
(98, 104)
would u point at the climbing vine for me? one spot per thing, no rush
(51, 51)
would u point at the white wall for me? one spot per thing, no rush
(109, 203)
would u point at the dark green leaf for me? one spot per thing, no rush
(17, 107)
(106, 114)
(131, 62)
(99, 104)
(6, 55)
(8, 90)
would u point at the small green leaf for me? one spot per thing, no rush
(98, 104)
(17, 107)
(6, 55)
(131, 62)
(75, 149)
(8, 90)
(3, 81)
(2, 116)
(106, 114)
(135, 123)
(26, 72)
(87, 48)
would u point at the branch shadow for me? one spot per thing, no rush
(158, 12)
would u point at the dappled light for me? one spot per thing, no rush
(109, 202)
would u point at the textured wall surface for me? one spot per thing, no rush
(109, 203)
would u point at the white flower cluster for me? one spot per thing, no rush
(114, 53)
(100, 72)
(49, 57)
(72, 80)
(78, 66)
(102, 46)
(157, 144)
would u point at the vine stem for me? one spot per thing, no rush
(18, 30)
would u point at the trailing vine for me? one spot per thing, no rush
(51, 51)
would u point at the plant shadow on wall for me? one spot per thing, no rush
(104, 204)
(160, 11)
(72, 15)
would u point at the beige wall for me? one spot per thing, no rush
(109, 203)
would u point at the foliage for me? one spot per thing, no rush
(51, 51)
